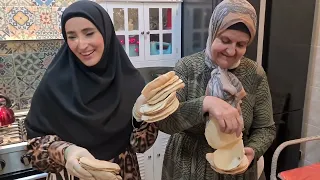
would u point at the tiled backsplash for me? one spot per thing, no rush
(22, 64)
(31, 19)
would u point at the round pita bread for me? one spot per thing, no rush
(229, 157)
(217, 139)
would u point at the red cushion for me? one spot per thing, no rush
(311, 172)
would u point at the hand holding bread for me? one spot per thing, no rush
(101, 170)
(158, 98)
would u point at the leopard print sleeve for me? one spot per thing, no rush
(47, 153)
(143, 137)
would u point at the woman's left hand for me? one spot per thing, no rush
(249, 152)
(136, 108)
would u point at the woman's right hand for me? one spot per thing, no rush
(72, 155)
(228, 117)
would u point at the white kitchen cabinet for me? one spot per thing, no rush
(146, 161)
(150, 33)
(150, 162)
(158, 154)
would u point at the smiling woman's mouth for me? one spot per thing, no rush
(87, 53)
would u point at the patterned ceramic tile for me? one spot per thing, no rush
(8, 87)
(27, 85)
(63, 3)
(4, 30)
(25, 2)
(21, 17)
(48, 57)
(45, 46)
(43, 2)
(28, 64)
(42, 46)
(21, 22)
(11, 47)
(6, 66)
(46, 21)
(56, 17)
(9, 2)
(24, 103)
(44, 17)
(31, 19)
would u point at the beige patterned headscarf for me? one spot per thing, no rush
(224, 84)
(227, 13)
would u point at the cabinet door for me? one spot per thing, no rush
(127, 19)
(162, 26)
(158, 153)
(146, 164)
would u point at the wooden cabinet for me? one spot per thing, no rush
(150, 33)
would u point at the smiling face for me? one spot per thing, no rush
(84, 40)
(229, 47)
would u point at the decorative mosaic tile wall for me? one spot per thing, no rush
(22, 64)
(31, 19)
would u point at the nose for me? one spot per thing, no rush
(231, 50)
(82, 44)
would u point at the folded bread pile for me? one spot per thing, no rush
(101, 169)
(160, 98)
(229, 157)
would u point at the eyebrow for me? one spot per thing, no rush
(225, 37)
(85, 30)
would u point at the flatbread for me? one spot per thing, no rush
(153, 92)
(239, 170)
(227, 158)
(163, 114)
(161, 95)
(95, 164)
(152, 109)
(217, 139)
(157, 82)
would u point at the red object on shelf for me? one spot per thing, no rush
(310, 172)
(169, 18)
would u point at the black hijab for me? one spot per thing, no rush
(88, 106)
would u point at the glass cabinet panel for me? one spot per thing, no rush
(167, 43)
(118, 19)
(167, 18)
(133, 19)
(154, 18)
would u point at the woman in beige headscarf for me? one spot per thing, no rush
(232, 28)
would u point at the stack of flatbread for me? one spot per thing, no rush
(101, 169)
(229, 157)
(160, 98)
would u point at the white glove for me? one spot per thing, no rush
(72, 155)
(136, 108)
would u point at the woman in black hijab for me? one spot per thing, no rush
(83, 105)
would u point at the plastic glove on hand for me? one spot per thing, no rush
(136, 108)
(101, 170)
(72, 155)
